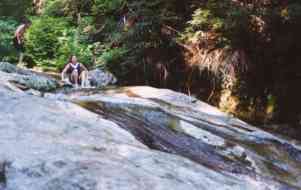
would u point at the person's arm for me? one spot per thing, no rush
(18, 36)
(19, 33)
(64, 72)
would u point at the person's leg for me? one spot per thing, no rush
(84, 79)
(21, 55)
(20, 49)
(75, 77)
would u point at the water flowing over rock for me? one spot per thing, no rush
(134, 138)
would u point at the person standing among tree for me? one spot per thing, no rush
(19, 39)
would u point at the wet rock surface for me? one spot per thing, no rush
(172, 122)
(134, 138)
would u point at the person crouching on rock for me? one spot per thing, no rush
(19, 39)
(77, 73)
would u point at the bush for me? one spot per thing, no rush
(228, 19)
(70, 46)
(50, 41)
(54, 8)
(7, 29)
(113, 59)
(69, 8)
(102, 7)
(128, 47)
(16, 8)
(44, 38)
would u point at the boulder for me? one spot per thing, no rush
(51, 145)
(101, 78)
(10, 68)
(25, 79)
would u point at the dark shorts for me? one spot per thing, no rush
(69, 72)
(73, 82)
(19, 47)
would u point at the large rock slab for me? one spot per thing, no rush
(48, 144)
(181, 125)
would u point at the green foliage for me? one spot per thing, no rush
(70, 46)
(104, 7)
(267, 32)
(11, 13)
(227, 18)
(44, 38)
(69, 8)
(85, 28)
(134, 42)
(203, 19)
(16, 8)
(50, 41)
(54, 8)
(113, 60)
(7, 29)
